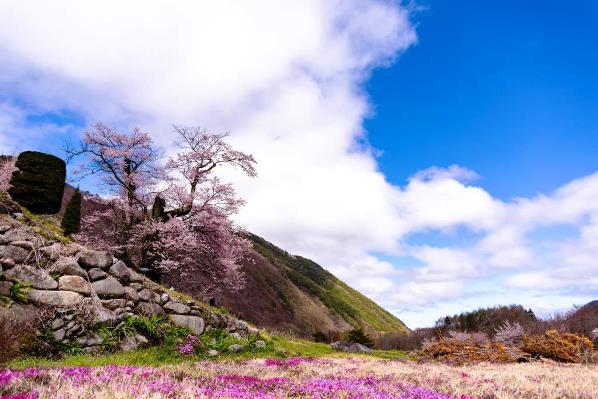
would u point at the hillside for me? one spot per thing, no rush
(292, 293)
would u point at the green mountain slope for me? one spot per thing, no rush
(287, 292)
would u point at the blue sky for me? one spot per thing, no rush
(508, 89)
(480, 182)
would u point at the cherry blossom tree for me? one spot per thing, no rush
(199, 154)
(202, 251)
(175, 217)
(7, 166)
(127, 163)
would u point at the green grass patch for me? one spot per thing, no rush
(277, 346)
(47, 226)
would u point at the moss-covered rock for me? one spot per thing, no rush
(38, 182)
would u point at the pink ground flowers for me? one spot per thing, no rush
(349, 378)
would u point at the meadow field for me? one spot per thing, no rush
(300, 377)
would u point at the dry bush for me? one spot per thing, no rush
(461, 348)
(561, 347)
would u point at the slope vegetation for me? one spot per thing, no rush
(287, 292)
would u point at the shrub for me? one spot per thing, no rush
(400, 340)
(475, 338)
(463, 348)
(319, 336)
(509, 333)
(71, 220)
(38, 182)
(359, 336)
(562, 347)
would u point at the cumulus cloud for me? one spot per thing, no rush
(505, 255)
(285, 78)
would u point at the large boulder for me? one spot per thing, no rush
(352, 347)
(194, 323)
(108, 288)
(149, 309)
(114, 304)
(91, 259)
(7, 263)
(96, 274)
(23, 244)
(235, 348)
(18, 254)
(32, 276)
(69, 266)
(22, 233)
(124, 274)
(74, 283)
(5, 288)
(131, 294)
(131, 343)
(101, 315)
(149, 296)
(54, 298)
(70, 249)
(51, 251)
(177, 307)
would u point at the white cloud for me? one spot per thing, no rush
(285, 77)
(503, 252)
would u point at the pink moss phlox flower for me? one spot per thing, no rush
(20, 396)
(188, 346)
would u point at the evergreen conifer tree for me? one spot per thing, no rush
(71, 220)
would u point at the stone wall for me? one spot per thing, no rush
(84, 288)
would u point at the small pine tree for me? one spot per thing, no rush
(359, 336)
(71, 220)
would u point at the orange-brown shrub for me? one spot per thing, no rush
(467, 349)
(562, 347)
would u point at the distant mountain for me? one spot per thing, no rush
(591, 304)
(287, 292)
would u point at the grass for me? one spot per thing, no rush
(277, 347)
(46, 226)
(323, 377)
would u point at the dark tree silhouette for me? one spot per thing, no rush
(71, 220)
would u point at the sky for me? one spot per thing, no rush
(437, 156)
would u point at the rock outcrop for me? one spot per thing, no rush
(352, 347)
(84, 288)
